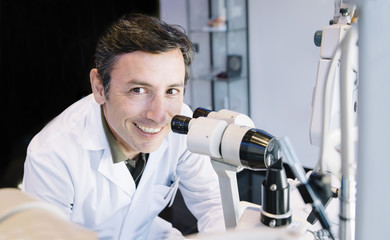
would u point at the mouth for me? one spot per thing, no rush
(148, 130)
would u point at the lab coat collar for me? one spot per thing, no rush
(94, 137)
(119, 174)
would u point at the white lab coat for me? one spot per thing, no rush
(69, 164)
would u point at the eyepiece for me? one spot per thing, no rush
(201, 112)
(259, 149)
(179, 124)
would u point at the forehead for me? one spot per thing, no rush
(145, 58)
(146, 65)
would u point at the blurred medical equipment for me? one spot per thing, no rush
(326, 108)
(24, 217)
(334, 116)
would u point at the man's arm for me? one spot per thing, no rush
(47, 178)
(200, 188)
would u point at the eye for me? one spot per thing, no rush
(173, 91)
(138, 90)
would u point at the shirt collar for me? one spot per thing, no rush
(116, 152)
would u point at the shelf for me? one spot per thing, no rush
(215, 29)
(229, 80)
(224, 29)
(222, 50)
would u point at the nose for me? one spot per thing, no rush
(156, 109)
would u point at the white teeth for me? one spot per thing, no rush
(148, 130)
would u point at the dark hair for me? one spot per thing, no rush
(137, 32)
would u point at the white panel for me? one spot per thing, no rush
(373, 193)
(283, 67)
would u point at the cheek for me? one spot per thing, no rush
(124, 110)
(175, 107)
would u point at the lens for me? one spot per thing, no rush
(201, 112)
(258, 149)
(179, 124)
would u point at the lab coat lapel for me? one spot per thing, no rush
(155, 159)
(116, 173)
(145, 189)
(94, 139)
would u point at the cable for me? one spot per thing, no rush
(29, 206)
(321, 234)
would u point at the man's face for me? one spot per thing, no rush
(146, 91)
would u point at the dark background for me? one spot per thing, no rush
(46, 52)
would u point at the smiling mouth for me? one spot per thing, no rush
(148, 129)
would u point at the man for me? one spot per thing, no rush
(110, 161)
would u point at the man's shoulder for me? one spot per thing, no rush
(66, 124)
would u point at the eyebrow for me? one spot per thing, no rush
(141, 83)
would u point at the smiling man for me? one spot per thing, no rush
(110, 161)
(146, 91)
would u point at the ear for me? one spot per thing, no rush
(97, 87)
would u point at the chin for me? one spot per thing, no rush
(151, 147)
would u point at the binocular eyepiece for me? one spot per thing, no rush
(238, 145)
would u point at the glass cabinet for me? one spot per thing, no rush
(219, 76)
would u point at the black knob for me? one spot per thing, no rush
(275, 197)
(344, 11)
(318, 38)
